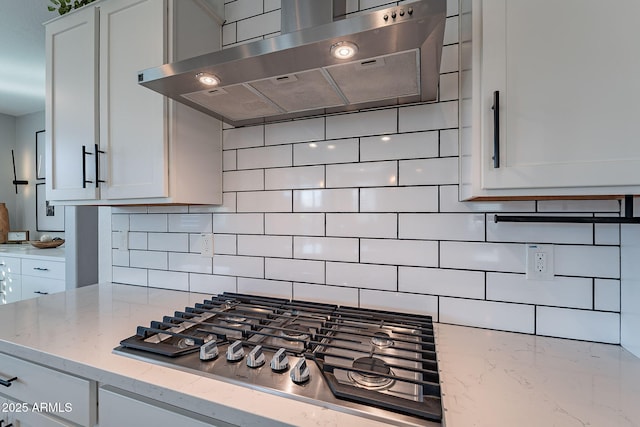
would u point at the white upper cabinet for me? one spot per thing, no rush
(566, 75)
(147, 149)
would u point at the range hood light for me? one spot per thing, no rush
(208, 79)
(344, 50)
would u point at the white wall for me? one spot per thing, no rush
(361, 221)
(7, 143)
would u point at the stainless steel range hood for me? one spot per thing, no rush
(397, 61)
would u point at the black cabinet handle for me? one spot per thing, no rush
(7, 383)
(85, 153)
(41, 293)
(496, 129)
(97, 159)
(40, 269)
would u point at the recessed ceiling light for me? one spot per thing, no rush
(208, 79)
(344, 50)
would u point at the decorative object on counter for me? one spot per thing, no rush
(16, 181)
(18, 236)
(64, 6)
(48, 216)
(47, 245)
(4, 223)
(40, 152)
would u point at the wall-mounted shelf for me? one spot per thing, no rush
(628, 217)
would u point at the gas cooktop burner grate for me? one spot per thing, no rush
(344, 357)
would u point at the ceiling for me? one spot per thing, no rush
(22, 55)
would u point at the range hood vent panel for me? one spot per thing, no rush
(401, 57)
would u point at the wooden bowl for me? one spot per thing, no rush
(46, 245)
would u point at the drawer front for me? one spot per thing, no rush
(67, 397)
(10, 289)
(37, 286)
(9, 265)
(40, 268)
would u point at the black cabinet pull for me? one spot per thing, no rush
(496, 129)
(97, 159)
(85, 153)
(40, 269)
(41, 293)
(7, 383)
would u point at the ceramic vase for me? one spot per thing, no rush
(4, 223)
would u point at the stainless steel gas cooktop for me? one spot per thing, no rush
(376, 364)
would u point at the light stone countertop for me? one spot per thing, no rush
(25, 250)
(488, 378)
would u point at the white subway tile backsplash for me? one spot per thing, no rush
(452, 7)
(190, 223)
(397, 301)
(170, 209)
(265, 201)
(120, 222)
(399, 146)
(189, 262)
(441, 115)
(487, 314)
(229, 33)
(232, 265)
(578, 324)
(448, 142)
(246, 180)
(573, 292)
(607, 234)
(399, 199)
(223, 244)
(265, 157)
(242, 9)
(129, 276)
(294, 131)
(578, 206)
(507, 257)
(211, 284)
(270, 5)
(266, 288)
(326, 248)
(129, 209)
(451, 31)
(269, 246)
(240, 223)
(228, 205)
(325, 152)
(305, 224)
(371, 174)
(436, 281)
(449, 203)
(250, 136)
(399, 252)
(150, 222)
(539, 232)
(294, 178)
(428, 171)
(148, 259)
(434, 226)
(259, 25)
(331, 200)
(138, 240)
(449, 60)
(295, 270)
(169, 280)
(592, 261)
(362, 225)
(366, 123)
(368, 276)
(175, 242)
(448, 90)
(325, 294)
(229, 160)
(606, 294)
(120, 258)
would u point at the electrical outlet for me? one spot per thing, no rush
(206, 245)
(540, 262)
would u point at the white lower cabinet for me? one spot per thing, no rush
(40, 396)
(10, 288)
(42, 277)
(121, 408)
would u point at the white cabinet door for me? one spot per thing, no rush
(132, 132)
(71, 106)
(567, 76)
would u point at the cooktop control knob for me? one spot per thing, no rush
(300, 372)
(280, 361)
(235, 352)
(209, 350)
(255, 358)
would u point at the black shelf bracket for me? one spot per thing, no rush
(16, 181)
(628, 217)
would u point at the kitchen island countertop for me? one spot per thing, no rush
(488, 378)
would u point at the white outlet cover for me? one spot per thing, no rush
(206, 245)
(547, 272)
